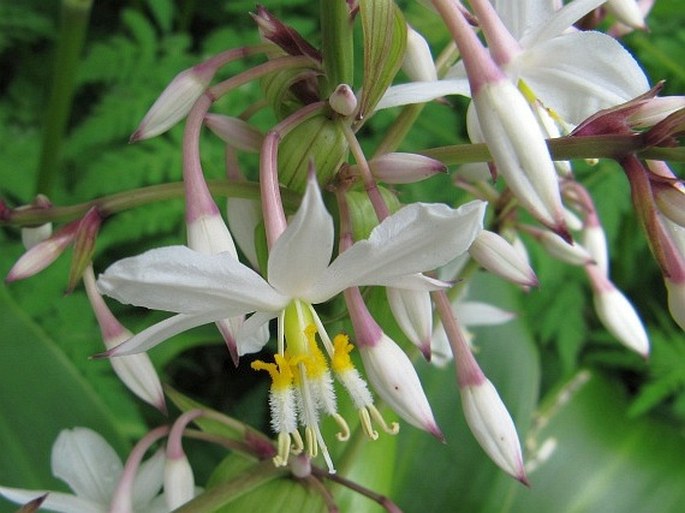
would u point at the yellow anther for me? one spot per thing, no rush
(392, 429)
(315, 363)
(280, 372)
(312, 445)
(298, 446)
(281, 459)
(341, 353)
(366, 424)
(344, 434)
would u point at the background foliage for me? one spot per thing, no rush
(616, 421)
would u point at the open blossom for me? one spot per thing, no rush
(202, 288)
(86, 462)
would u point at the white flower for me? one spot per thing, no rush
(86, 462)
(204, 288)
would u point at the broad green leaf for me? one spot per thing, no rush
(595, 459)
(385, 40)
(42, 393)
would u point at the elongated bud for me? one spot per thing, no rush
(179, 481)
(84, 246)
(414, 314)
(43, 254)
(175, 101)
(399, 168)
(493, 427)
(135, 371)
(499, 257)
(418, 62)
(595, 242)
(282, 35)
(235, 132)
(676, 301)
(617, 314)
(627, 12)
(343, 101)
(670, 199)
(573, 254)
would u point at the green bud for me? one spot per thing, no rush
(317, 138)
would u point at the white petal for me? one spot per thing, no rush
(148, 481)
(163, 330)
(303, 251)
(475, 313)
(55, 501)
(417, 238)
(87, 463)
(421, 92)
(254, 333)
(521, 15)
(140, 376)
(413, 312)
(562, 20)
(178, 279)
(580, 73)
(243, 216)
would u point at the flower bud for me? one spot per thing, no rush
(595, 242)
(573, 254)
(414, 314)
(627, 12)
(499, 257)
(33, 235)
(235, 132)
(43, 254)
(394, 378)
(676, 301)
(175, 101)
(400, 168)
(493, 427)
(670, 199)
(84, 246)
(179, 482)
(418, 62)
(343, 101)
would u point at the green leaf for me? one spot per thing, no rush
(385, 40)
(602, 461)
(42, 393)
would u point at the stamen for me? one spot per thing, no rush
(281, 459)
(344, 434)
(392, 429)
(366, 424)
(298, 443)
(310, 436)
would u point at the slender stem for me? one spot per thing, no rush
(73, 27)
(115, 203)
(337, 44)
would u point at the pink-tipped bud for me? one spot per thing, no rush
(418, 62)
(394, 378)
(413, 312)
(573, 254)
(285, 37)
(617, 314)
(84, 246)
(499, 257)
(175, 101)
(627, 12)
(400, 168)
(179, 481)
(670, 199)
(343, 101)
(676, 301)
(43, 254)
(493, 427)
(235, 132)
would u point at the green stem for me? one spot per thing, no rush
(109, 205)
(73, 26)
(337, 44)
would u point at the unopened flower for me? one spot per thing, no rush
(86, 462)
(627, 12)
(343, 101)
(572, 253)
(499, 257)
(398, 168)
(235, 132)
(493, 427)
(413, 312)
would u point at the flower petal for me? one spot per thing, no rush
(303, 251)
(475, 313)
(421, 92)
(178, 279)
(55, 501)
(148, 481)
(87, 463)
(163, 330)
(419, 237)
(254, 333)
(579, 73)
(554, 25)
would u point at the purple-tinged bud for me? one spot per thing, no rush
(573, 254)
(34, 505)
(619, 29)
(43, 254)
(627, 12)
(283, 36)
(401, 168)
(343, 101)
(235, 132)
(499, 257)
(493, 427)
(418, 62)
(175, 101)
(670, 199)
(413, 312)
(135, 371)
(179, 481)
(84, 246)
(617, 314)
